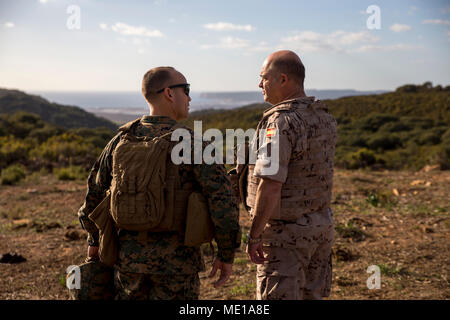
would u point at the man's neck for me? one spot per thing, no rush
(160, 113)
(300, 93)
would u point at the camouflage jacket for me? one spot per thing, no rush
(162, 252)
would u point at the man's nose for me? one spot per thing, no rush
(260, 84)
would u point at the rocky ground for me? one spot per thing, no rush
(398, 221)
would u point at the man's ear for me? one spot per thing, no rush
(284, 78)
(168, 94)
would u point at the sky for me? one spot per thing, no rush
(108, 45)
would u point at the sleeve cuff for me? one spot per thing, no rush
(226, 255)
(263, 169)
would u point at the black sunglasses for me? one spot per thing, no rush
(186, 86)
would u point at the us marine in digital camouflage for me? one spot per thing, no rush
(157, 265)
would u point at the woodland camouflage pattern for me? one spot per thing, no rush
(163, 253)
(138, 286)
(96, 282)
(298, 239)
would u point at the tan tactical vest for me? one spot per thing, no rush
(310, 173)
(146, 191)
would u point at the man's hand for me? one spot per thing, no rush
(256, 253)
(93, 252)
(225, 272)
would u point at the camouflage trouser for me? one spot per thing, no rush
(139, 286)
(298, 268)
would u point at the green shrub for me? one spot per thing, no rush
(63, 147)
(12, 174)
(12, 150)
(395, 127)
(70, 173)
(383, 141)
(44, 133)
(361, 159)
(374, 121)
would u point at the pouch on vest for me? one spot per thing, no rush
(96, 281)
(108, 242)
(139, 187)
(199, 226)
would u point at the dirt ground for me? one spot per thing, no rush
(398, 221)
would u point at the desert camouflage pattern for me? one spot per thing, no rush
(298, 238)
(96, 282)
(299, 265)
(307, 138)
(162, 252)
(138, 286)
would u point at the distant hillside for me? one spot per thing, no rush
(256, 96)
(67, 117)
(408, 128)
(425, 102)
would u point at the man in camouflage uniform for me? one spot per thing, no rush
(291, 217)
(156, 265)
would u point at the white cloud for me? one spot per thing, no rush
(128, 30)
(43, 1)
(436, 21)
(311, 41)
(226, 26)
(103, 26)
(9, 25)
(400, 27)
(229, 43)
(394, 47)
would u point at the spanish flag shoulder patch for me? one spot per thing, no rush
(271, 132)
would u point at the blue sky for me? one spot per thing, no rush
(220, 45)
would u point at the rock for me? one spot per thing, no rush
(21, 223)
(360, 222)
(429, 168)
(395, 192)
(343, 254)
(416, 182)
(12, 258)
(40, 227)
(72, 235)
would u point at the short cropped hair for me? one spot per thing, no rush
(156, 79)
(293, 68)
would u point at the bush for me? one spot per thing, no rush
(44, 133)
(374, 121)
(362, 158)
(70, 173)
(64, 147)
(395, 127)
(12, 150)
(383, 141)
(12, 174)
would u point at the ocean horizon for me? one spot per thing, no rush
(128, 102)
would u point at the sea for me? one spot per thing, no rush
(120, 106)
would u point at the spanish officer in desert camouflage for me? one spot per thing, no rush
(157, 265)
(292, 226)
